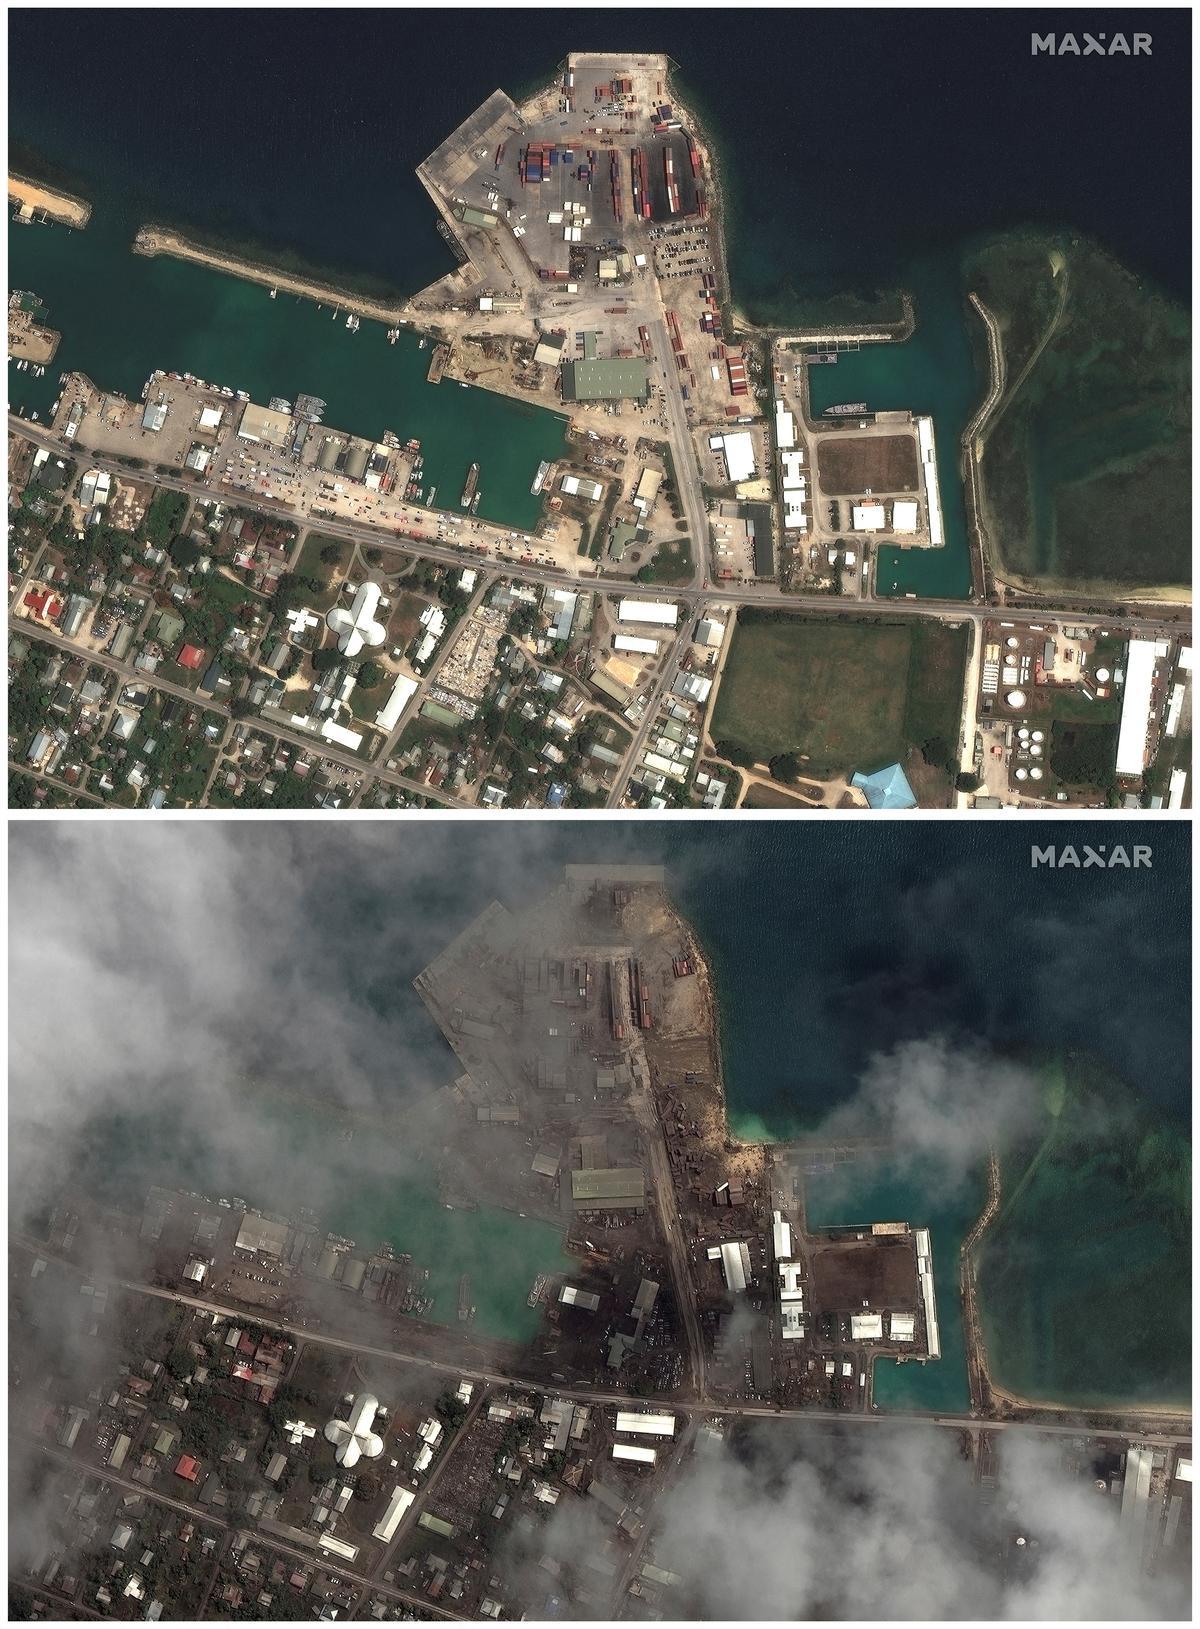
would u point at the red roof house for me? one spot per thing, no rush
(190, 656)
(187, 1468)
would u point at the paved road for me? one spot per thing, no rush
(265, 726)
(687, 1406)
(1144, 624)
(683, 453)
(269, 1540)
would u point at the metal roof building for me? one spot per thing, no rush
(645, 1425)
(658, 611)
(735, 1264)
(571, 1297)
(867, 1326)
(403, 691)
(1136, 703)
(265, 424)
(257, 1233)
(902, 1326)
(608, 1190)
(781, 1236)
(886, 788)
(639, 1456)
(385, 1529)
(606, 379)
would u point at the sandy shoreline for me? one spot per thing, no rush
(157, 240)
(60, 206)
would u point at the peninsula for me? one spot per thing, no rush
(692, 1300)
(701, 564)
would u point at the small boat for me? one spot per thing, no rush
(274, 292)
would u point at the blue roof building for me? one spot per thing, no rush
(886, 788)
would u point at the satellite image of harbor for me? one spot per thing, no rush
(609, 1223)
(527, 427)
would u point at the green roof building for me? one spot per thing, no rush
(624, 533)
(607, 379)
(608, 1190)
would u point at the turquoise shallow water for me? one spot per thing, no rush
(122, 315)
(933, 372)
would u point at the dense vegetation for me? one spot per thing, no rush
(1086, 467)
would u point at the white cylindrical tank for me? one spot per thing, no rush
(1022, 774)
(1035, 751)
(1102, 675)
(1015, 698)
(1035, 774)
(1039, 735)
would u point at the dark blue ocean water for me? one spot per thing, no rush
(852, 141)
(832, 943)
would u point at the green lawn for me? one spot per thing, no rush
(848, 695)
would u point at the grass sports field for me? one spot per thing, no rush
(846, 695)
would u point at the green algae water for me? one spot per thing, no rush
(934, 373)
(121, 315)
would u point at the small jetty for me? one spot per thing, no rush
(465, 1310)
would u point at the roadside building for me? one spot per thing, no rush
(264, 424)
(608, 1190)
(397, 1507)
(614, 379)
(656, 611)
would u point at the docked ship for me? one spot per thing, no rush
(846, 410)
(538, 1290)
(469, 490)
(539, 479)
(465, 1310)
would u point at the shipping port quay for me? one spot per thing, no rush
(687, 1296)
(1175, 623)
(695, 482)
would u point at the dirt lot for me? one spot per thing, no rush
(881, 1272)
(851, 464)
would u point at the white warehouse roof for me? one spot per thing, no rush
(402, 693)
(739, 454)
(904, 515)
(642, 1456)
(785, 427)
(646, 1425)
(868, 517)
(385, 1528)
(903, 1326)
(781, 1236)
(1135, 706)
(648, 611)
(636, 643)
(867, 1326)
